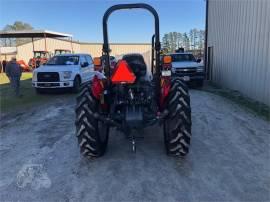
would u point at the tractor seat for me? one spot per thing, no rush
(137, 64)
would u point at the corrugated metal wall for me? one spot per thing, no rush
(117, 50)
(6, 57)
(239, 34)
(25, 51)
(6, 53)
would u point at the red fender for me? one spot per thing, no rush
(165, 86)
(97, 87)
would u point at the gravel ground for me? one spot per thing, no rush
(229, 158)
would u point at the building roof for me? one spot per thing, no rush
(32, 34)
(88, 43)
(60, 39)
(113, 43)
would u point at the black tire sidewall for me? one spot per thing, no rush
(76, 85)
(96, 139)
(179, 89)
(102, 143)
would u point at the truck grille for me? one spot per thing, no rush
(47, 77)
(186, 70)
(48, 84)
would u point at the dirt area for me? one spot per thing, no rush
(10, 103)
(229, 158)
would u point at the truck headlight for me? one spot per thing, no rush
(200, 69)
(173, 70)
(67, 74)
(34, 77)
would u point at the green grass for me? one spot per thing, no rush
(9, 102)
(4, 79)
(258, 108)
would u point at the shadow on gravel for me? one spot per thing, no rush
(258, 108)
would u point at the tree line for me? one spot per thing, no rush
(194, 40)
(16, 26)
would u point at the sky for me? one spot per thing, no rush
(83, 18)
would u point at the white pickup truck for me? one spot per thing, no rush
(64, 71)
(185, 65)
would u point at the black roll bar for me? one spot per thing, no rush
(153, 54)
(106, 48)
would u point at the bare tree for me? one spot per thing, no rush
(179, 40)
(186, 41)
(18, 25)
(201, 39)
(165, 42)
(174, 40)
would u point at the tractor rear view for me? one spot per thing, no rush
(40, 58)
(126, 98)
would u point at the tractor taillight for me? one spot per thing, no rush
(166, 66)
(167, 62)
(165, 80)
(123, 73)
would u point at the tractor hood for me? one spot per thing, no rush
(186, 64)
(57, 68)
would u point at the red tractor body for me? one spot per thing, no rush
(40, 58)
(127, 98)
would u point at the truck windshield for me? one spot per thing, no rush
(59, 52)
(64, 60)
(40, 54)
(182, 57)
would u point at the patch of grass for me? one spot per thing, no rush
(9, 102)
(258, 108)
(4, 79)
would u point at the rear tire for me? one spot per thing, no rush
(177, 126)
(92, 134)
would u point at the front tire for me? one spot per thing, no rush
(76, 84)
(92, 134)
(177, 126)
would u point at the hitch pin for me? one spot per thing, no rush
(131, 94)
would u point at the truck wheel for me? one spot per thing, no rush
(92, 134)
(177, 126)
(76, 85)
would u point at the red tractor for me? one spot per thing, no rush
(24, 66)
(125, 98)
(40, 58)
(101, 68)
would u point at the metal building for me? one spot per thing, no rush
(118, 49)
(238, 46)
(25, 51)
